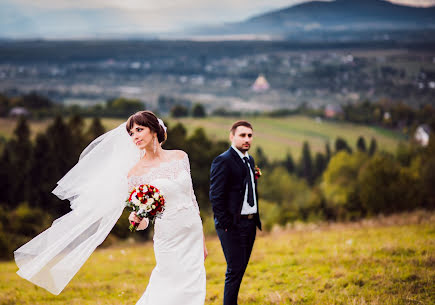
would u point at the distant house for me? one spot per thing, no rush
(261, 84)
(332, 111)
(19, 111)
(422, 134)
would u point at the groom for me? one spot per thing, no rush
(233, 195)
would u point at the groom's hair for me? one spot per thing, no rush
(240, 123)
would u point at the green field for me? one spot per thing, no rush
(276, 136)
(387, 261)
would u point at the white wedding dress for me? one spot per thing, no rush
(179, 274)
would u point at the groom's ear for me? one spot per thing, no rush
(231, 137)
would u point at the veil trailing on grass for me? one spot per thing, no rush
(97, 188)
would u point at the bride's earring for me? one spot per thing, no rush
(155, 145)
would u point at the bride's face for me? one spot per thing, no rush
(141, 136)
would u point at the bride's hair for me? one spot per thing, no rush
(147, 119)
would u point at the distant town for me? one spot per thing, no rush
(251, 78)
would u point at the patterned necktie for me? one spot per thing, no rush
(249, 183)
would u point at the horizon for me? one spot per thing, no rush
(131, 19)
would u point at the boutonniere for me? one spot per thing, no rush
(257, 172)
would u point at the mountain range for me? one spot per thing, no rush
(315, 20)
(333, 16)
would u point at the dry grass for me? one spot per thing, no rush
(384, 260)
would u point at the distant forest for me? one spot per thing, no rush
(58, 51)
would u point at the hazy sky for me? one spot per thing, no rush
(144, 15)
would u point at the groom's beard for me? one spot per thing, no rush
(244, 148)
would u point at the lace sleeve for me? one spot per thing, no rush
(186, 166)
(130, 183)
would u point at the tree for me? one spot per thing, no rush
(179, 111)
(124, 107)
(378, 185)
(7, 178)
(4, 105)
(35, 101)
(405, 153)
(76, 125)
(319, 165)
(305, 168)
(44, 171)
(427, 169)
(166, 103)
(361, 144)
(62, 151)
(340, 185)
(327, 152)
(289, 164)
(95, 130)
(20, 156)
(341, 144)
(428, 182)
(22, 131)
(198, 111)
(373, 146)
(287, 191)
(200, 151)
(260, 158)
(176, 137)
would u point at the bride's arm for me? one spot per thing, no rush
(186, 164)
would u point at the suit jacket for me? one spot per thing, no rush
(227, 188)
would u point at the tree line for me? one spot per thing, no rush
(336, 184)
(341, 184)
(384, 112)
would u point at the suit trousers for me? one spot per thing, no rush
(237, 243)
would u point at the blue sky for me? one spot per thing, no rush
(81, 18)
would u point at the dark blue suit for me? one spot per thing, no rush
(228, 177)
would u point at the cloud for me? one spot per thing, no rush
(415, 2)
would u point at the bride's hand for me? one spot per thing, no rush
(143, 224)
(205, 248)
(133, 218)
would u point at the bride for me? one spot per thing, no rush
(97, 187)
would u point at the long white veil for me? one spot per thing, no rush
(97, 188)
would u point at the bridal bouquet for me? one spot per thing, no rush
(146, 201)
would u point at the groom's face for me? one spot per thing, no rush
(242, 138)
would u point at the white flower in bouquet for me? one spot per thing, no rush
(156, 196)
(150, 201)
(136, 201)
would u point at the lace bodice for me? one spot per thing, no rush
(174, 181)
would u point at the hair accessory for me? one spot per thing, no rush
(162, 124)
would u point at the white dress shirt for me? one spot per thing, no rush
(246, 208)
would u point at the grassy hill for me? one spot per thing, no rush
(276, 136)
(385, 261)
